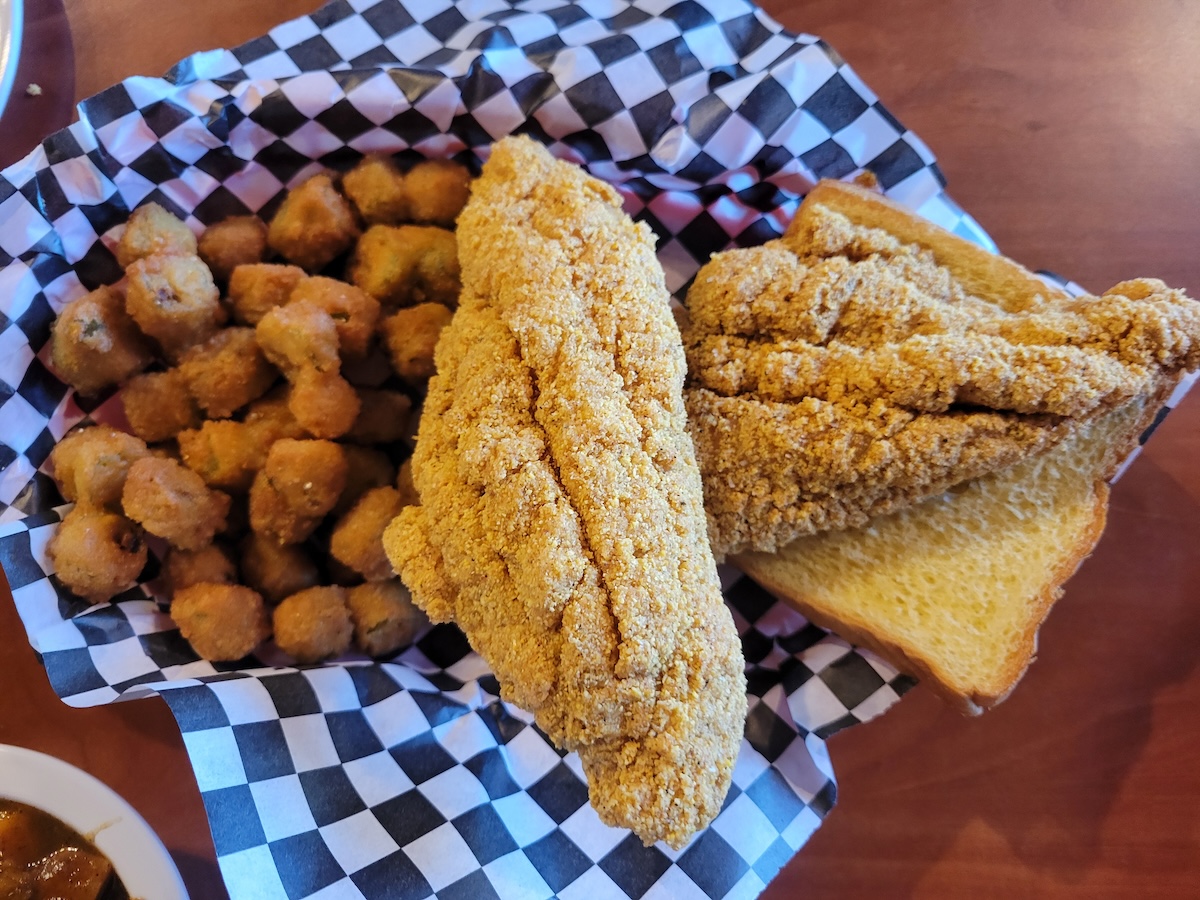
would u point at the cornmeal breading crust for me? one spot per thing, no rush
(561, 522)
(847, 370)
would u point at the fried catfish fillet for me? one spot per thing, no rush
(561, 522)
(868, 360)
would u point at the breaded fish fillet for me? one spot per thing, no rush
(868, 360)
(561, 522)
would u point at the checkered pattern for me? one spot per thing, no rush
(412, 778)
(375, 781)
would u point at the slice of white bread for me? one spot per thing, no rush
(980, 272)
(954, 589)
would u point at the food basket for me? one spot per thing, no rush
(410, 777)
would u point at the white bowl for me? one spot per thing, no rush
(95, 811)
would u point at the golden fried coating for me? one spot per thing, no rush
(225, 453)
(274, 570)
(382, 417)
(385, 618)
(158, 405)
(272, 418)
(324, 403)
(97, 555)
(299, 484)
(314, 225)
(376, 188)
(173, 502)
(778, 469)
(314, 624)
(561, 522)
(150, 230)
(354, 312)
(227, 372)
(437, 191)
(94, 343)
(302, 340)
(90, 465)
(236, 241)
(256, 289)
(366, 468)
(222, 622)
(299, 336)
(411, 334)
(839, 373)
(173, 299)
(210, 565)
(357, 539)
(408, 264)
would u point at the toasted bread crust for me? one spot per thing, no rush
(826, 611)
(981, 272)
(758, 338)
(856, 629)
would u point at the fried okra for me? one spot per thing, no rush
(96, 554)
(272, 418)
(91, 464)
(256, 289)
(299, 484)
(173, 502)
(382, 417)
(150, 230)
(210, 565)
(173, 299)
(354, 312)
(314, 225)
(376, 188)
(324, 403)
(408, 264)
(314, 624)
(357, 539)
(222, 622)
(299, 336)
(366, 468)
(437, 190)
(236, 241)
(301, 339)
(227, 371)
(276, 570)
(411, 335)
(94, 343)
(384, 616)
(225, 453)
(158, 405)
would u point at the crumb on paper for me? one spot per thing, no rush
(33, 89)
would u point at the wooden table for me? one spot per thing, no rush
(1071, 131)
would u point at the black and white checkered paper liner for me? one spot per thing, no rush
(410, 778)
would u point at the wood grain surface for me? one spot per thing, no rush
(1071, 130)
